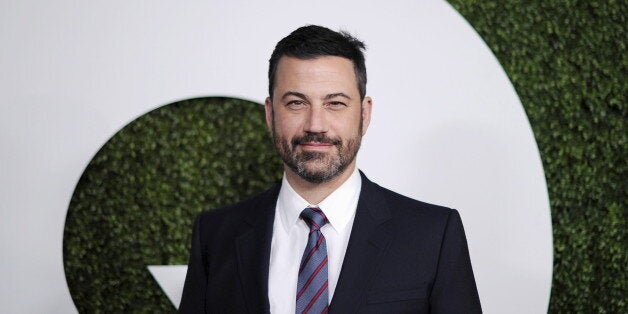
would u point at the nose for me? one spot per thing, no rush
(316, 121)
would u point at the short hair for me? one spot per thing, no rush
(312, 41)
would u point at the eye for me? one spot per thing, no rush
(336, 105)
(295, 104)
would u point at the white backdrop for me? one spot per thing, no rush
(447, 126)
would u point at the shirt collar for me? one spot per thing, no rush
(339, 206)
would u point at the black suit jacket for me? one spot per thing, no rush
(403, 256)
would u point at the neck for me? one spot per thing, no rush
(314, 193)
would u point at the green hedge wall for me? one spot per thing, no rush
(567, 60)
(134, 203)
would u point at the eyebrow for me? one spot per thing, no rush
(327, 97)
(330, 96)
(296, 94)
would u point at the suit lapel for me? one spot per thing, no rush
(253, 252)
(369, 240)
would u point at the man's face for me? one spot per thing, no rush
(316, 116)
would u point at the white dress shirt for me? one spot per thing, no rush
(290, 236)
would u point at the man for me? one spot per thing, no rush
(326, 239)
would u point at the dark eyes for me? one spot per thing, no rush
(299, 104)
(336, 105)
(295, 104)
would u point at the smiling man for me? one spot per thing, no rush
(317, 117)
(326, 239)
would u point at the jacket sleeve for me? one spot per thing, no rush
(454, 289)
(194, 290)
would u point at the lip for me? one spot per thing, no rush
(315, 145)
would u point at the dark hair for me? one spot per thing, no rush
(309, 42)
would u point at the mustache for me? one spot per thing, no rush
(315, 137)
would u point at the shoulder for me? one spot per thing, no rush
(413, 206)
(396, 200)
(418, 226)
(408, 211)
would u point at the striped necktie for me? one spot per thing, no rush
(312, 292)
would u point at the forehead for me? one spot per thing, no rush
(321, 74)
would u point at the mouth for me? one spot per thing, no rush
(315, 145)
(315, 142)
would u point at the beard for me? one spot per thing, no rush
(317, 167)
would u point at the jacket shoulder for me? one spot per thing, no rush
(403, 205)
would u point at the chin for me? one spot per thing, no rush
(320, 174)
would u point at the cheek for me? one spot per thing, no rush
(348, 126)
(287, 127)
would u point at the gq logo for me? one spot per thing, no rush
(136, 200)
(447, 122)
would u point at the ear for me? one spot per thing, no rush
(367, 106)
(268, 108)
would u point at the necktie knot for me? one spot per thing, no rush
(314, 217)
